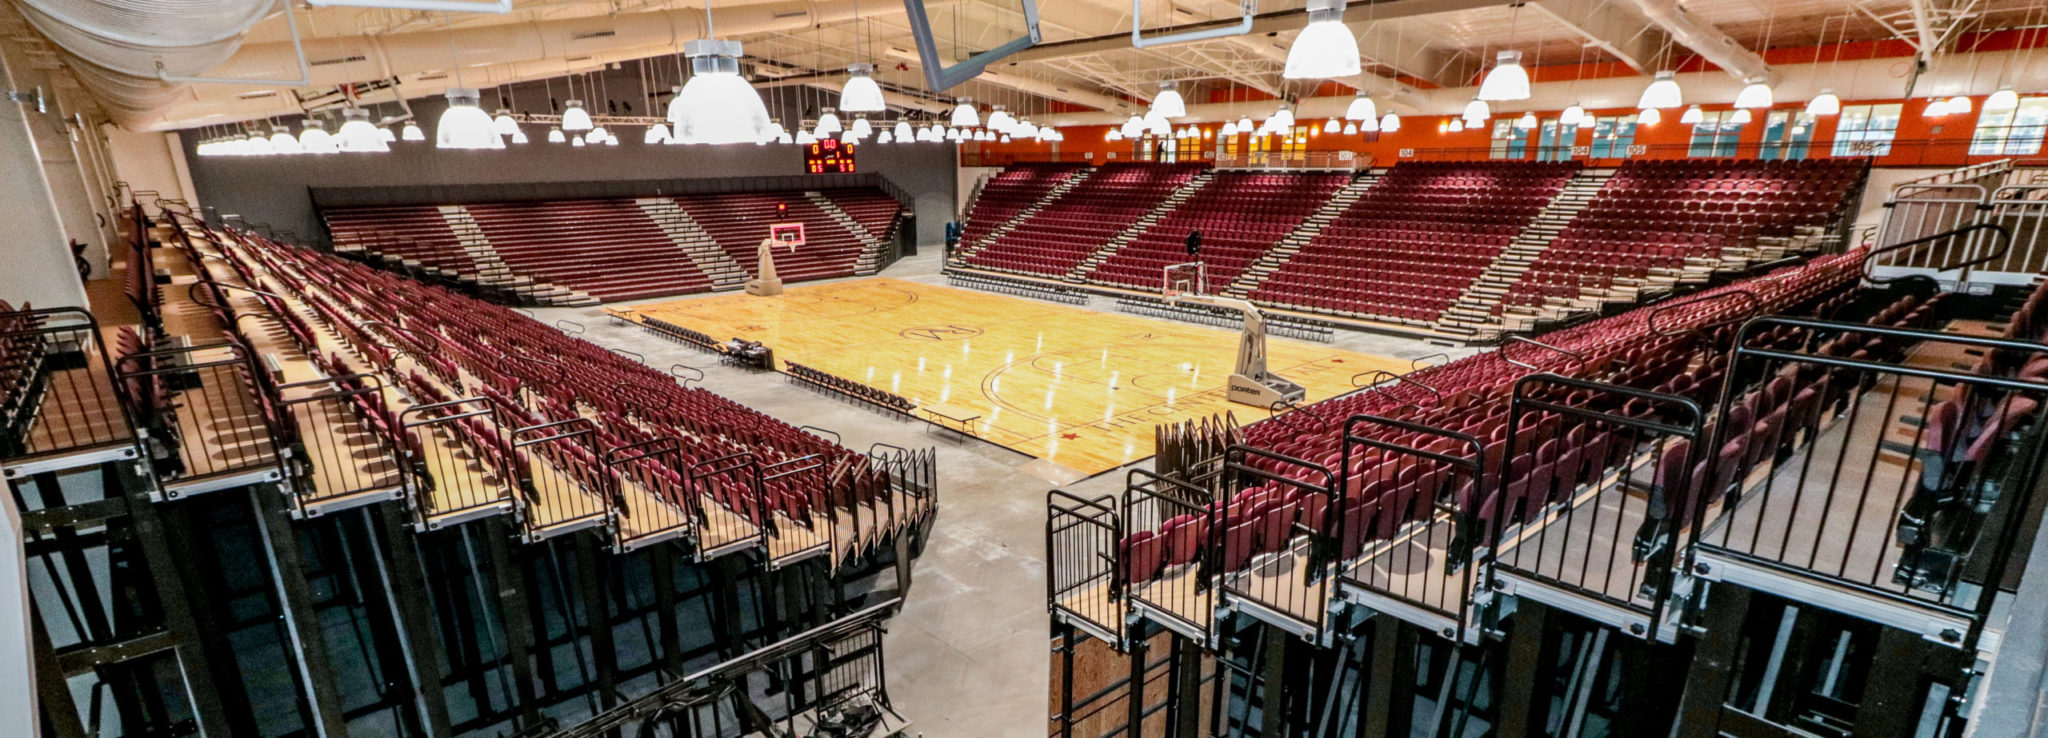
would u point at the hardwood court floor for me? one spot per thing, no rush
(1076, 386)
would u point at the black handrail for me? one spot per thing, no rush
(1274, 412)
(1403, 378)
(1511, 340)
(1416, 363)
(2004, 245)
(1755, 305)
(699, 378)
(432, 347)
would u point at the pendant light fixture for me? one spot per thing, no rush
(1527, 121)
(413, 132)
(1000, 119)
(1692, 116)
(574, 117)
(965, 115)
(517, 137)
(357, 136)
(1390, 123)
(1132, 128)
(1508, 80)
(1351, 129)
(1370, 125)
(2003, 101)
(257, 145)
(1649, 117)
(1325, 47)
(1229, 129)
(1169, 102)
(1477, 112)
(555, 135)
(717, 106)
(804, 137)
(1571, 115)
(1755, 94)
(828, 123)
(503, 122)
(1333, 126)
(861, 94)
(861, 128)
(1457, 125)
(464, 125)
(902, 131)
(1663, 92)
(886, 137)
(1244, 124)
(1362, 108)
(1935, 108)
(1959, 105)
(283, 142)
(1588, 121)
(656, 134)
(313, 138)
(577, 141)
(1825, 103)
(1741, 116)
(384, 132)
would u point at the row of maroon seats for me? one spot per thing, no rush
(610, 249)
(407, 232)
(1008, 193)
(1066, 230)
(1240, 214)
(739, 220)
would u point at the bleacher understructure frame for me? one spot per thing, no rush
(300, 496)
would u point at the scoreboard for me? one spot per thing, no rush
(829, 156)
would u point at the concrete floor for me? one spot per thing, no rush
(968, 655)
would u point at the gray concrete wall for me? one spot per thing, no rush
(274, 190)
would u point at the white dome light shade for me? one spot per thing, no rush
(555, 135)
(464, 125)
(282, 142)
(847, 137)
(1740, 116)
(886, 137)
(1351, 129)
(1824, 103)
(1159, 128)
(805, 137)
(503, 122)
(716, 106)
(657, 133)
(1325, 48)
(1649, 117)
(1370, 125)
(577, 141)
(257, 145)
(1004, 139)
(782, 138)
(1508, 80)
(965, 115)
(1333, 126)
(1571, 115)
(1754, 94)
(861, 94)
(357, 136)
(385, 134)
(984, 135)
(1282, 119)
(1692, 116)
(1959, 104)
(1229, 129)
(611, 140)
(1027, 129)
(1132, 128)
(1936, 108)
(412, 132)
(902, 131)
(2001, 101)
(828, 123)
(1390, 123)
(861, 128)
(1169, 102)
(598, 135)
(517, 137)
(575, 118)
(1662, 93)
(1586, 121)
(314, 139)
(1476, 112)
(1000, 120)
(1457, 125)
(1362, 108)
(1527, 121)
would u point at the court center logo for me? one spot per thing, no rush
(941, 332)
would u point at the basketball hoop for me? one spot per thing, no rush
(1191, 278)
(787, 234)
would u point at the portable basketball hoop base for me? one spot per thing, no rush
(1250, 384)
(766, 284)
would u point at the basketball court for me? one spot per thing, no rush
(1074, 386)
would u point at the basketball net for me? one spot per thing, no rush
(1190, 278)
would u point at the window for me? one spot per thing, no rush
(1612, 137)
(1866, 130)
(2016, 132)
(1509, 142)
(1715, 136)
(1786, 135)
(1555, 143)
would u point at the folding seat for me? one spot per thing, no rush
(1239, 542)
(1141, 556)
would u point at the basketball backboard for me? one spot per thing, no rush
(787, 234)
(1190, 278)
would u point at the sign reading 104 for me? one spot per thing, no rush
(829, 156)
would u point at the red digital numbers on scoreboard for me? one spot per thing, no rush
(829, 157)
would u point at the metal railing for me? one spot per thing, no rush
(558, 477)
(343, 442)
(1888, 488)
(650, 502)
(726, 498)
(2023, 211)
(1408, 491)
(806, 510)
(1081, 546)
(1167, 562)
(1279, 539)
(63, 397)
(203, 401)
(454, 476)
(1590, 477)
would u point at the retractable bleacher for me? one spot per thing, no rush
(1241, 215)
(610, 249)
(1415, 241)
(1010, 192)
(738, 222)
(1065, 230)
(408, 233)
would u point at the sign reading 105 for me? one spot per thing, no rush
(829, 156)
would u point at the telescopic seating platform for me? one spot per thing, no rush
(1049, 242)
(1658, 222)
(738, 222)
(408, 233)
(1416, 240)
(1010, 192)
(610, 249)
(1240, 214)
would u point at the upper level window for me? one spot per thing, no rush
(1866, 130)
(2016, 132)
(1715, 136)
(1509, 142)
(1612, 137)
(1786, 134)
(1555, 141)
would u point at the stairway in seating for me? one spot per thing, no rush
(872, 246)
(725, 274)
(1123, 238)
(1058, 191)
(492, 271)
(1270, 262)
(1472, 313)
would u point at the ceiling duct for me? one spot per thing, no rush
(118, 47)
